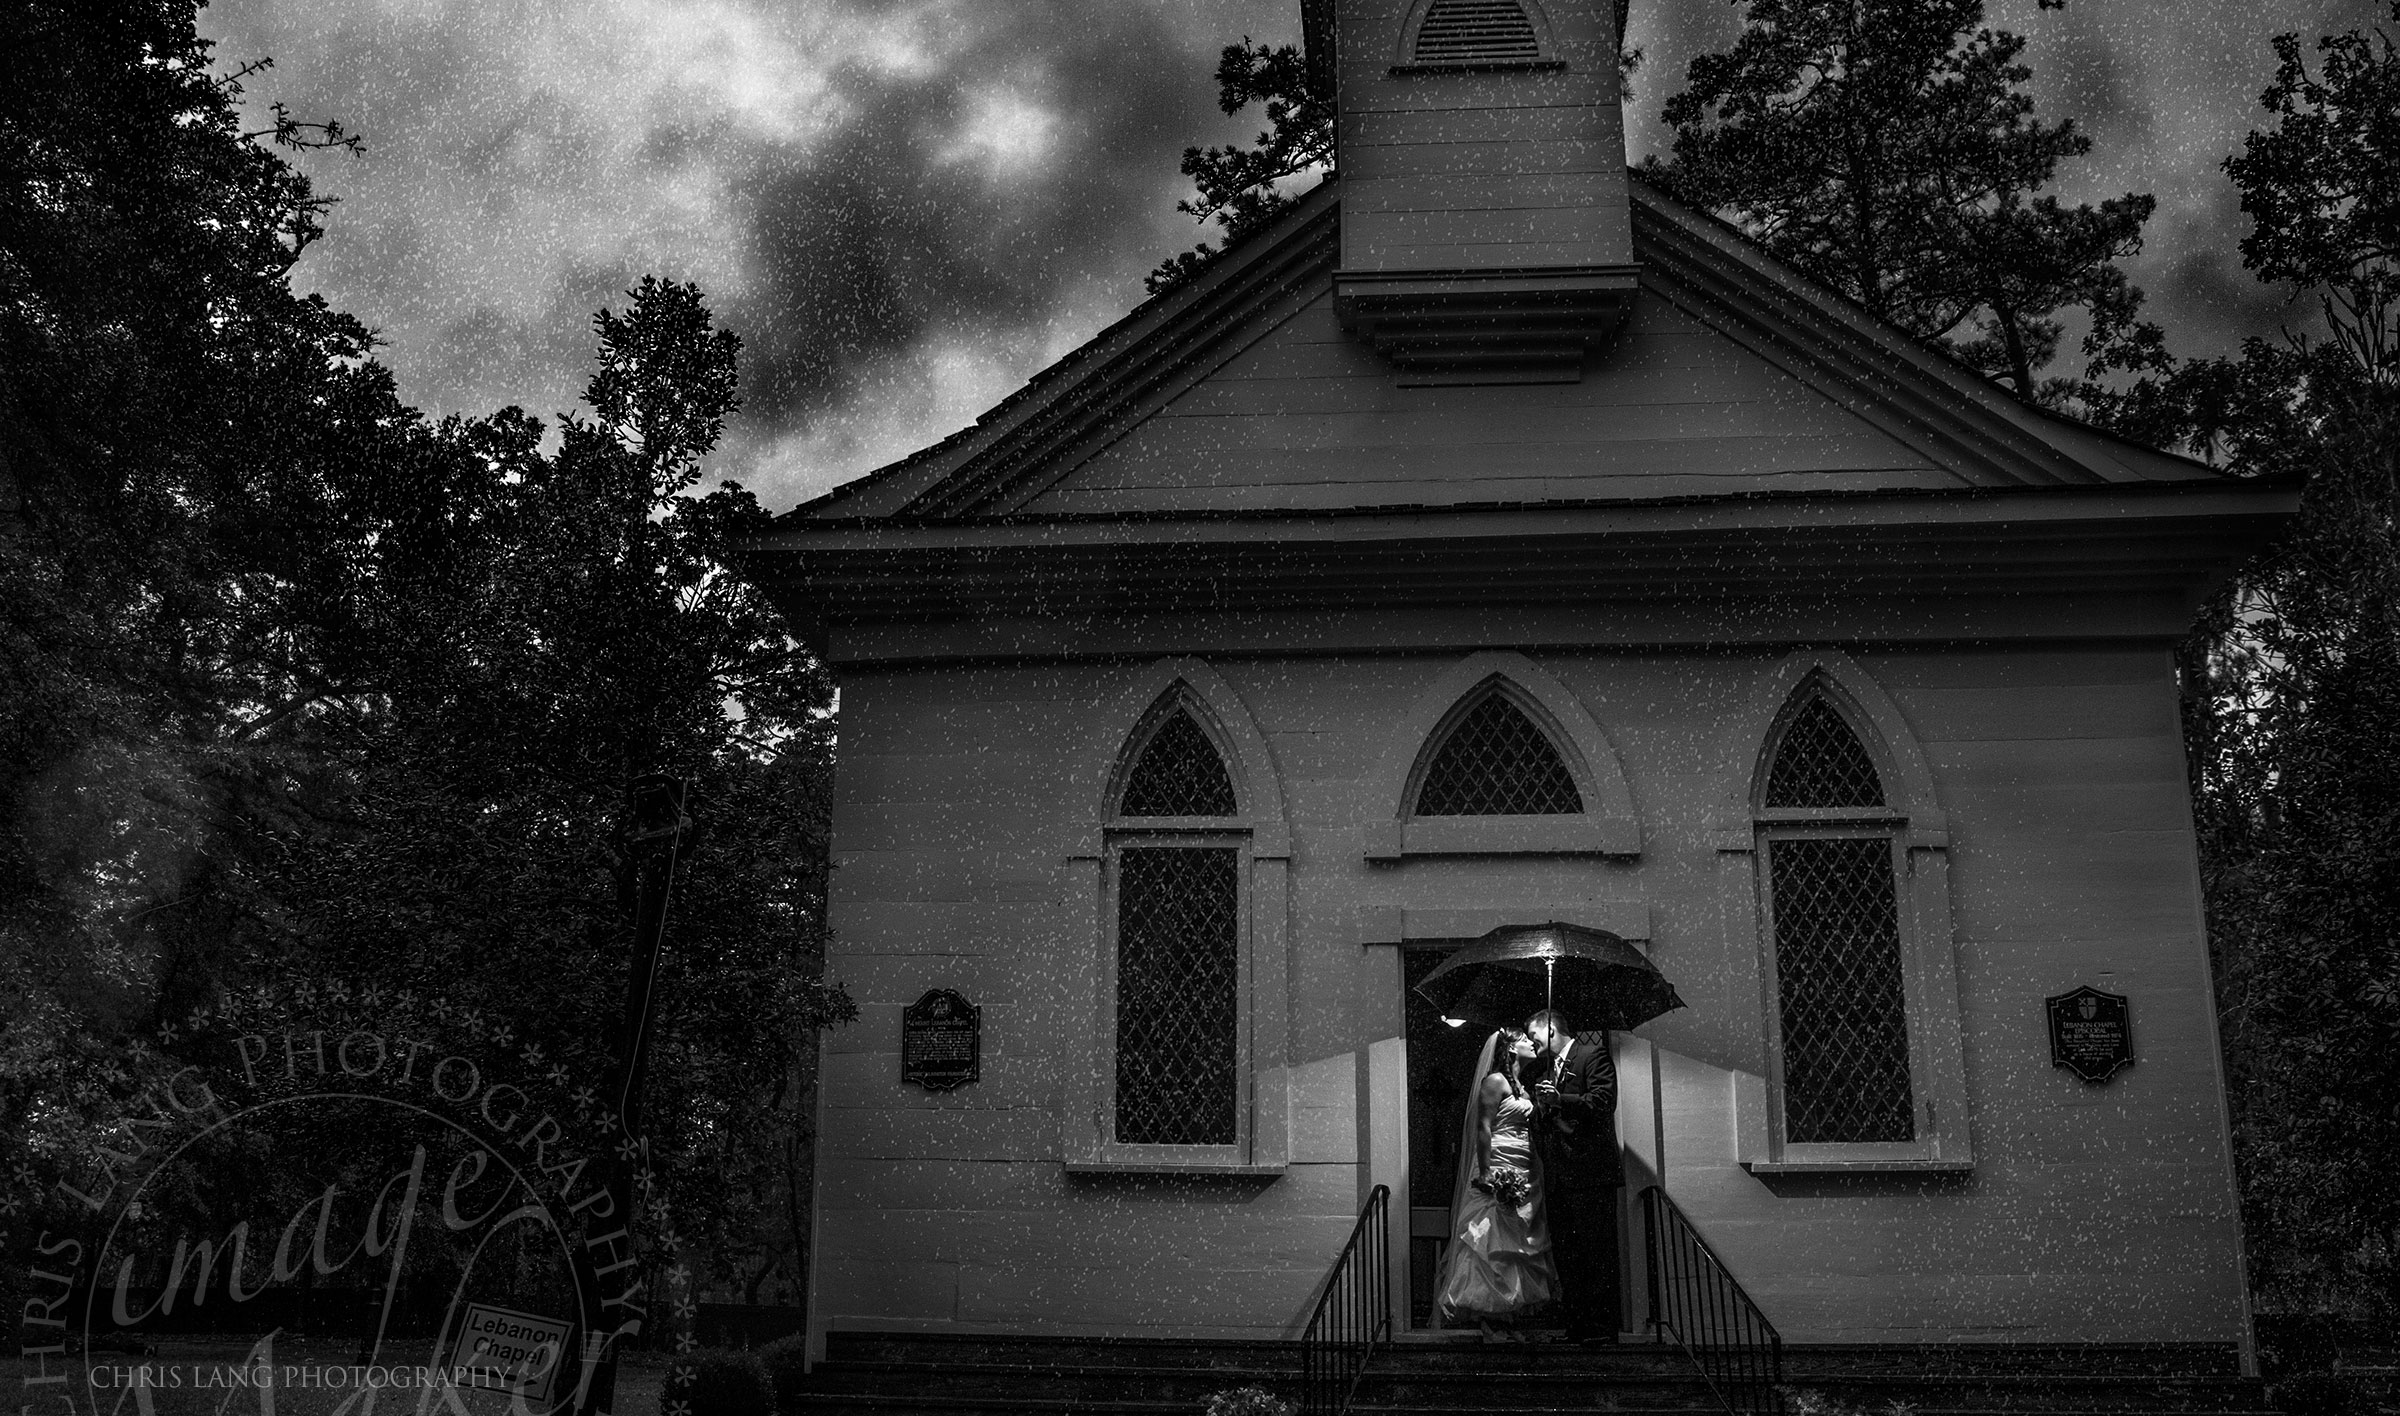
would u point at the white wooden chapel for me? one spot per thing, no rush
(1497, 540)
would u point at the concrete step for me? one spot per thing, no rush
(1513, 1409)
(2177, 1359)
(1187, 1385)
(933, 1406)
(898, 1374)
(905, 1405)
(1455, 1390)
(2039, 1393)
(1058, 1351)
(873, 1404)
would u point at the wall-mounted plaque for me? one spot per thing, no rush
(941, 1041)
(2091, 1032)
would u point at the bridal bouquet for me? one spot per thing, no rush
(1248, 1401)
(1509, 1185)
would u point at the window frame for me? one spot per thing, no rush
(1455, 722)
(1913, 822)
(1853, 824)
(1155, 833)
(1261, 838)
(1390, 831)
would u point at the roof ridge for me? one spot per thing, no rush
(1909, 389)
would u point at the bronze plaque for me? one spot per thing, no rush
(941, 1041)
(2091, 1032)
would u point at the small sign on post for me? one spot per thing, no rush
(500, 1349)
(941, 1041)
(2091, 1032)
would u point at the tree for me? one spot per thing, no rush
(173, 424)
(296, 684)
(2294, 683)
(1886, 148)
(594, 630)
(1242, 189)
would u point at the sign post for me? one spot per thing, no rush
(501, 1349)
(653, 841)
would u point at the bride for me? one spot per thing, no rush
(1497, 1267)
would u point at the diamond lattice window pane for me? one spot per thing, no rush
(1821, 762)
(1837, 961)
(1178, 774)
(1178, 969)
(1497, 763)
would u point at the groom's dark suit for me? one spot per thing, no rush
(1575, 1134)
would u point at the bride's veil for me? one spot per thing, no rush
(1468, 1145)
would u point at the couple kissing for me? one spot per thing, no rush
(1533, 1212)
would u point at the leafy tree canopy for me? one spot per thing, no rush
(298, 684)
(1241, 189)
(2292, 681)
(1887, 148)
(2295, 682)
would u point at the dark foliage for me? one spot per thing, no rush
(1888, 149)
(729, 1384)
(2293, 684)
(786, 1363)
(1244, 188)
(298, 685)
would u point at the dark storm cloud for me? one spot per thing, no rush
(906, 207)
(963, 201)
(2166, 93)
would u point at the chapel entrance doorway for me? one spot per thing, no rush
(1440, 1057)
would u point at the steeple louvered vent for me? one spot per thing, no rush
(1476, 32)
(1513, 267)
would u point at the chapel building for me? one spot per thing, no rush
(1497, 540)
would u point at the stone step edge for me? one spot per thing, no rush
(1378, 1371)
(1374, 1372)
(889, 1402)
(1803, 1350)
(2011, 1379)
(1828, 1361)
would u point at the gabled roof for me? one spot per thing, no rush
(1736, 377)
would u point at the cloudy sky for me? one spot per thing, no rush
(906, 207)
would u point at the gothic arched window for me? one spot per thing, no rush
(1178, 774)
(1180, 902)
(1495, 761)
(1832, 903)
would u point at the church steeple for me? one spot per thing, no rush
(1486, 235)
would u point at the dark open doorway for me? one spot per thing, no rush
(1439, 1060)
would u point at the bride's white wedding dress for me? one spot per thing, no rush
(1498, 1264)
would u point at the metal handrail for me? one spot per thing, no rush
(1353, 1315)
(1694, 1296)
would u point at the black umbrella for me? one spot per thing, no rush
(1594, 977)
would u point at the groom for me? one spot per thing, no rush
(1575, 1133)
